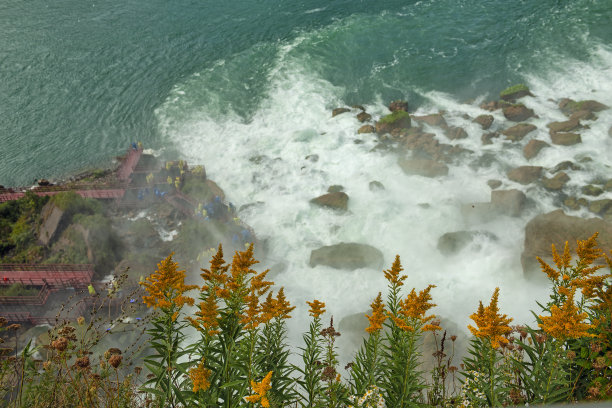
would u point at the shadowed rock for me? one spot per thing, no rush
(455, 132)
(485, 121)
(453, 242)
(337, 200)
(508, 202)
(557, 182)
(339, 111)
(518, 113)
(518, 132)
(348, 256)
(435, 119)
(556, 228)
(364, 117)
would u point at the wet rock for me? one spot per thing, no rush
(455, 132)
(358, 107)
(557, 182)
(571, 203)
(565, 139)
(336, 201)
(435, 119)
(608, 185)
(493, 184)
(565, 126)
(600, 206)
(525, 174)
(490, 106)
(518, 113)
(423, 167)
(376, 186)
(508, 202)
(532, 148)
(591, 190)
(556, 228)
(398, 106)
(569, 106)
(487, 138)
(453, 242)
(347, 256)
(336, 188)
(339, 111)
(515, 92)
(583, 115)
(518, 132)
(366, 129)
(312, 158)
(397, 120)
(565, 165)
(364, 117)
(485, 121)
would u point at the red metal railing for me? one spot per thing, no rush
(36, 300)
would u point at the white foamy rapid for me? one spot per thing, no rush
(269, 160)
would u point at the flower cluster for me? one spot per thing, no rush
(372, 398)
(471, 394)
(566, 322)
(316, 308)
(378, 315)
(260, 390)
(200, 377)
(491, 324)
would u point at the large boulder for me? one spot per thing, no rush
(347, 256)
(363, 116)
(337, 200)
(565, 139)
(557, 182)
(525, 174)
(532, 148)
(485, 121)
(456, 132)
(555, 228)
(453, 242)
(565, 126)
(423, 167)
(338, 111)
(515, 92)
(435, 119)
(366, 129)
(397, 120)
(518, 113)
(569, 106)
(518, 132)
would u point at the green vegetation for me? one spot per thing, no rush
(238, 356)
(398, 115)
(18, 289)
(72, 203)
(515, 89)
(198, 189)
(18, 222)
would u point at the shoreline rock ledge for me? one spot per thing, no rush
(347, 255)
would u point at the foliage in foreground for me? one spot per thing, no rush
(238, 355)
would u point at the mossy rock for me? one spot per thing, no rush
(569, 106)
(514, 92)
(397, 120)
(591, 190)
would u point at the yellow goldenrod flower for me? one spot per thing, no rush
(217, 274)
(282, 308)
(565, 322)
(259, 284)
(166, 286)
(206, 319)
(378, 315)
(316, 308)
(491, 324)
(393, 274)
(268, 308)
(260, 390)
(200, 377)
(251, 316)
(400, 323)
(587, 250)
(416, 306)
(548, 270)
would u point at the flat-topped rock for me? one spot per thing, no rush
(565, 126)
(455, 132)
(339, 111)
(525, 174)
(508, 202)
(519, 131)
(349, 256)
(569, 106)
(565, 139)
(532, 148)
(366, 129)
(515, 92)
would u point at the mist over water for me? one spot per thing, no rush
(248, 90)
